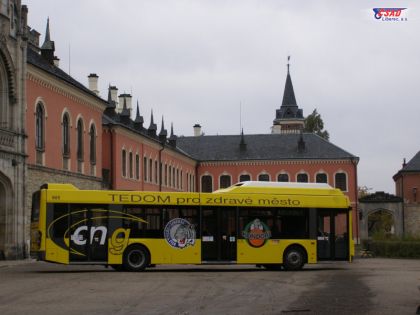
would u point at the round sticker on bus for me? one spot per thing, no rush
(179, 233)
(256, 233)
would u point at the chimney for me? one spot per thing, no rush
(404, 163)
(127, 98)
(93, 83)
(114, 93)
(56, 61)
(197, 130)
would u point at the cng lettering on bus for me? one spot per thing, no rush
(118, 241)
(79, 239)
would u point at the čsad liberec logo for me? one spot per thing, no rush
(179, 233)
(389, 14)
(256, 233)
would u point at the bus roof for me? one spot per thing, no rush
(280, 188)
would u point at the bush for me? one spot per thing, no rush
(394, 248)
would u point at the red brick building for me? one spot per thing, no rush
(407, 185)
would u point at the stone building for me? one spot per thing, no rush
(381, 213)
(13, 43)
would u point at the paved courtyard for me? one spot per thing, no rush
(367, 286)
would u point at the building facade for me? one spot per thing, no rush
(55, 129)
(13, 43)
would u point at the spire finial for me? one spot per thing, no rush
(288, 63)
(47, 32)
(163, 124)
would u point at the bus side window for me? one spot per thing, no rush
(130, 222)
(153, 228)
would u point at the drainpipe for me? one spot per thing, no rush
(354, 161)
(111, 175)
(403, 204)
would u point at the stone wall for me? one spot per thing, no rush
(39, 175)
(412, 219)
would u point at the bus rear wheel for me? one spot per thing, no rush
(136, 258)
(293, 259)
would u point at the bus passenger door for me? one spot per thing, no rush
(332, 237)
(228, 234)
(88, 234)
(218, 241)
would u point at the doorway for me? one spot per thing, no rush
(88, 235)
(333, 235)
(219, 235)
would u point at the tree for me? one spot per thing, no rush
(315, 124)
(363, 191)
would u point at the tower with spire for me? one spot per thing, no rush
(48, 47)
(289, 118)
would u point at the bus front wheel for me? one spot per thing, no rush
(136, 258)
(294, 259)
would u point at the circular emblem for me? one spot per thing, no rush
(179, 233)
(257, 233)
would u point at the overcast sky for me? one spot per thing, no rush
(201, 61)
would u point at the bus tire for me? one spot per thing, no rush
(293, 258)
(136, 258)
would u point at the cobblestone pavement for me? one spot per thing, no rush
(367, 286)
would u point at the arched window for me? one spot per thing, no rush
(150, 170)
(244, 177)
(137, 166)
(130, 164)
(66, 135)
(39, 125)
(225, 181)
(341, 181)
(173, 176)
(264, 178)
(302, 178)
(321, 178)
(124, 162)
(283, 178)
(92, 144)
(169, 176)
(80, 151)
(4, 97)
(156, 172)
(80, 140)
(206, 183)
(145, 169)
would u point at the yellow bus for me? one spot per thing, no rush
(263, 223)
